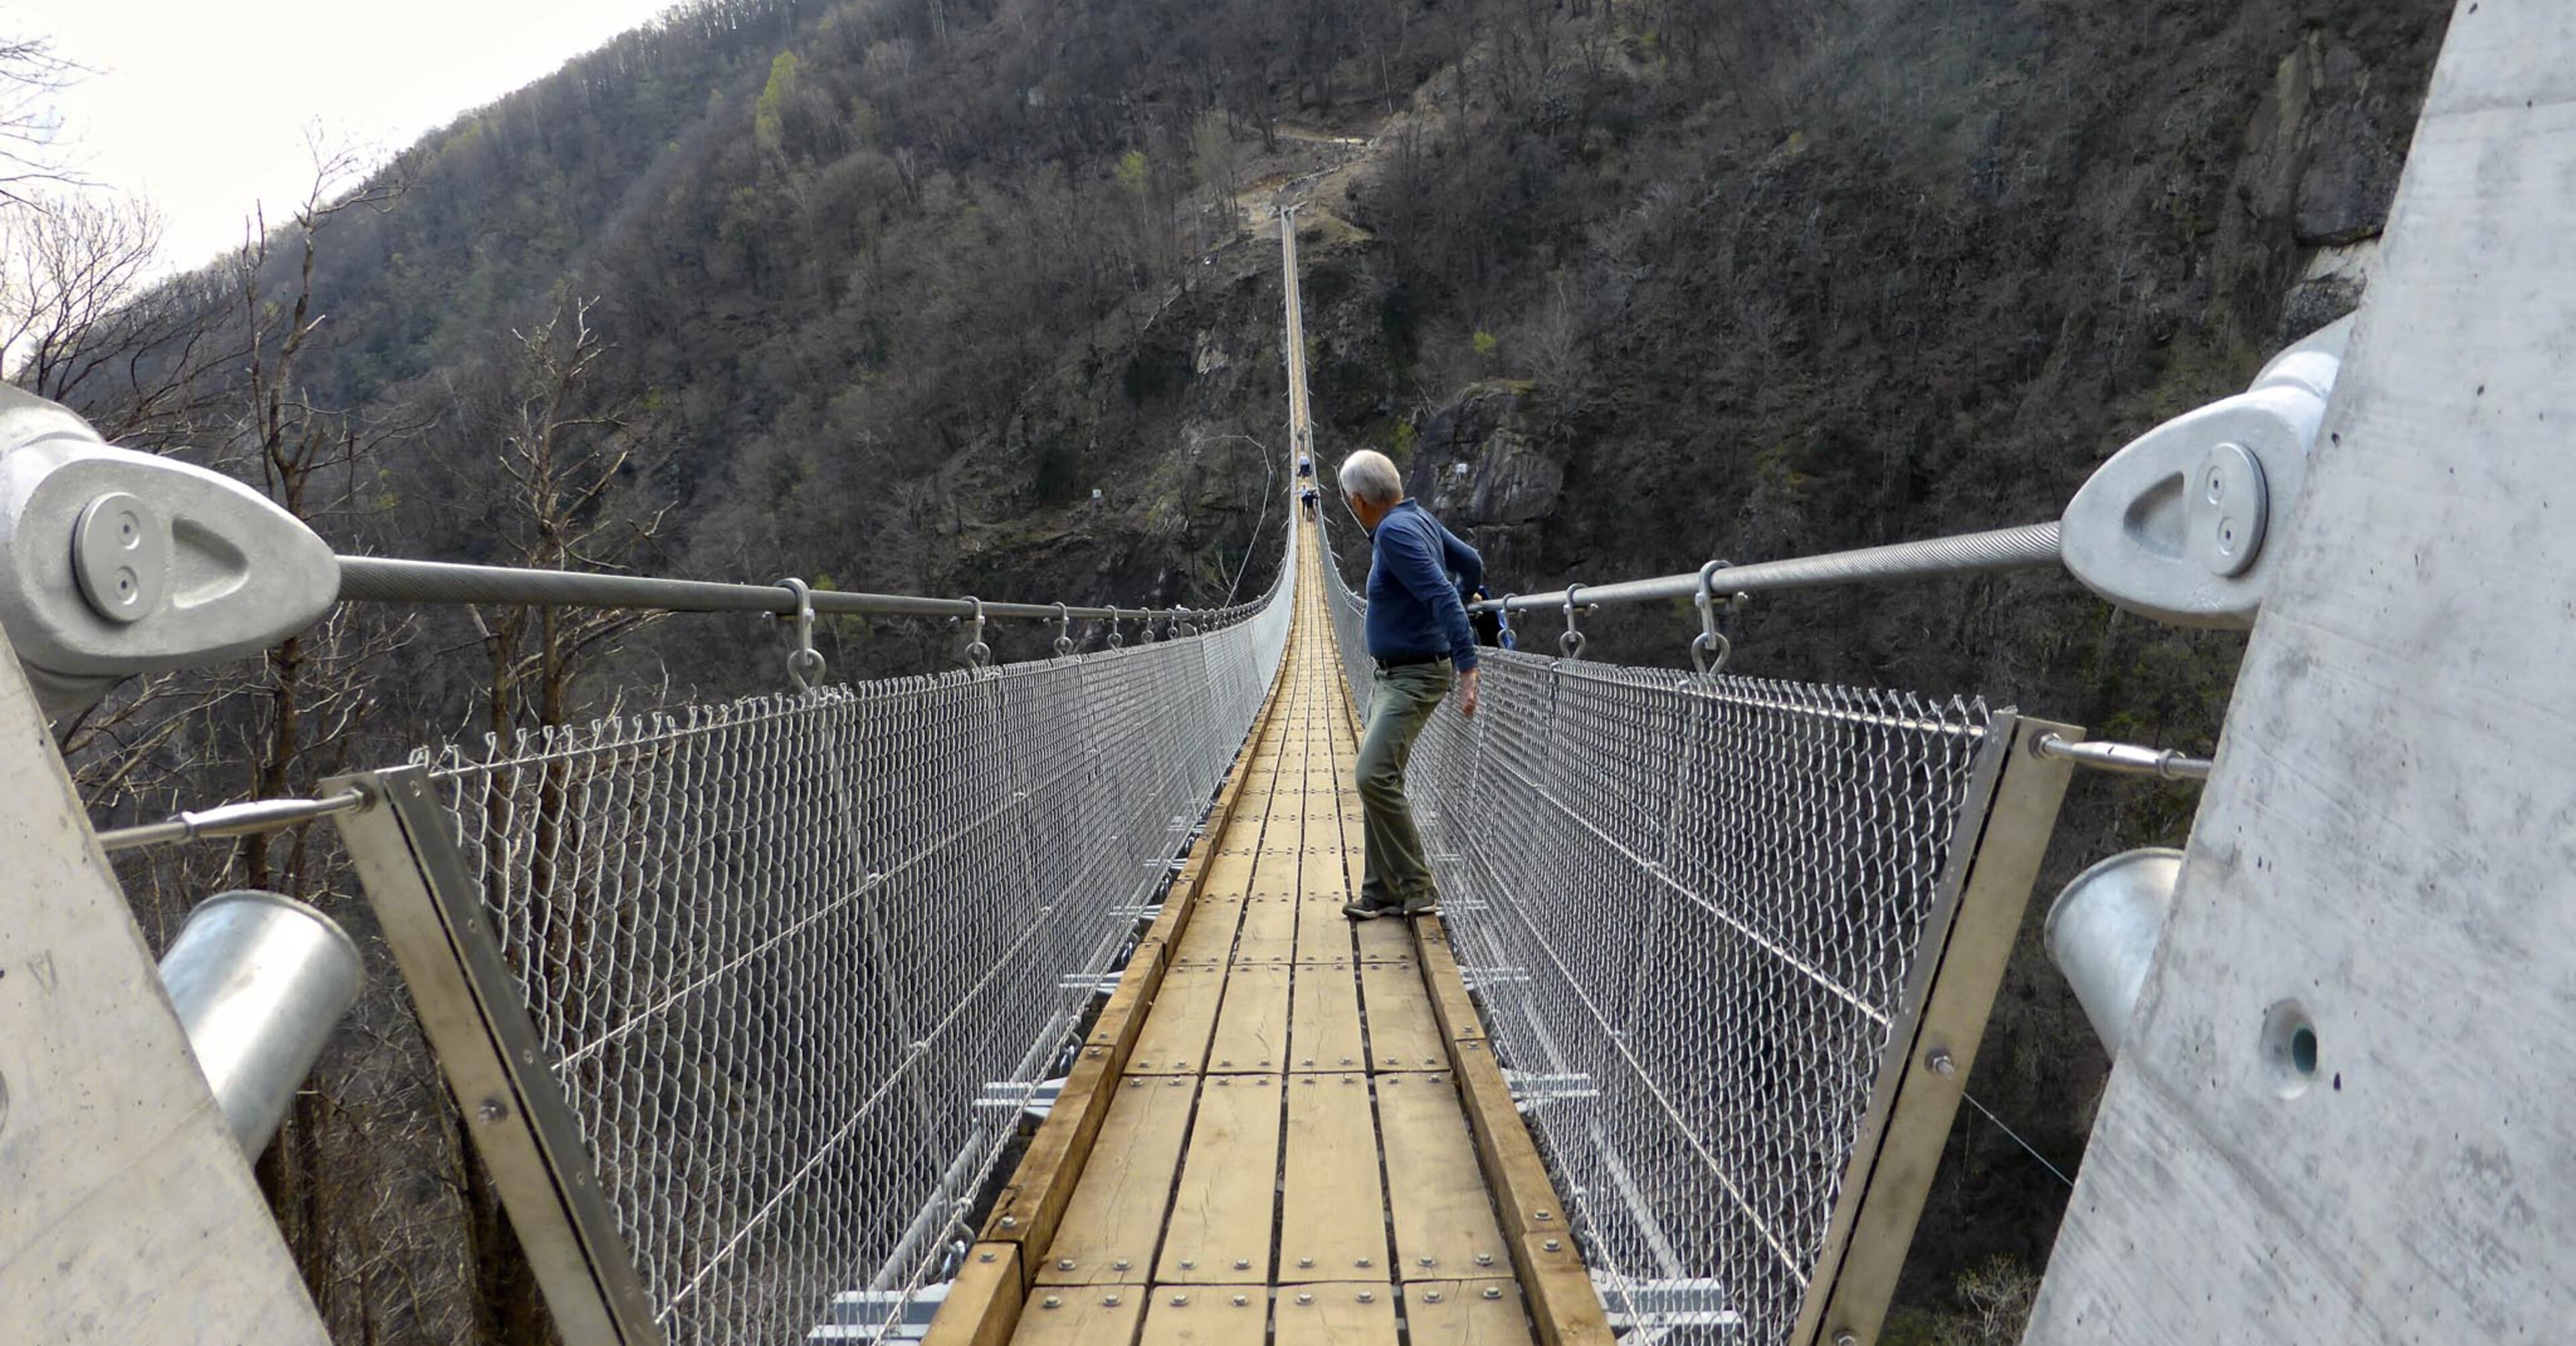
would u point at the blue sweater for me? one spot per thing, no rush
(1415, 572)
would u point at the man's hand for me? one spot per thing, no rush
(1467, 691)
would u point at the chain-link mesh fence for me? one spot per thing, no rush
(1689, 907)
(779, 949)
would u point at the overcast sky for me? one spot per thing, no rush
(201, 106)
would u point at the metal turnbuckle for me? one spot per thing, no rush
(1708, 650)
(1572, 642)
(1145, 628)
(1063, 631)
(1116, 641)
(979, 656)
(804, 663)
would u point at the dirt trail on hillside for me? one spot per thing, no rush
(1316, 192)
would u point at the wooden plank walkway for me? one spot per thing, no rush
(1286, 1126)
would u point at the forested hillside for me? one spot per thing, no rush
(879, 292)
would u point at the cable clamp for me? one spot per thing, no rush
(1063, 631)
(979, 655)
(1708, 650)
(1572, 642)
(804, 663)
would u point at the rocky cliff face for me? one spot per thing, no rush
(1487, 461)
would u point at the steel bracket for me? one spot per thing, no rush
(114, 563)
(2174, 526)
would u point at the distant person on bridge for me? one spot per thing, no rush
(1417, 631)
(1305, 465)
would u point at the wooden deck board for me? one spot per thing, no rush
(1209, 938)
(1252, 1028)
(1269, 930)
(1466, 1313)
(1444, 1218)
(1110, 1231)
(1324, 933)
(1270, 916)
(1230, 873)
(1324, 879)
(1403, 1033)
(1324, 1020)
(1331, 1206)
(1206, 1315)
(1384, 940)
(1220, 1227)
(1336, 1314)
(1175, 1036)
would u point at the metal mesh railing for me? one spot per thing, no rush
(1690, 908)
(778, 950)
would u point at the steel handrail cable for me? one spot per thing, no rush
(392, 580)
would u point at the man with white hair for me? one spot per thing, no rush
(1417, 632)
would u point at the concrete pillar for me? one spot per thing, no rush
(127, 1213)
(2345, 1111)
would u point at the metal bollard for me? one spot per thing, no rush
(2103, 931)
(260, 980)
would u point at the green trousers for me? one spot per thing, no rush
(1400, 703)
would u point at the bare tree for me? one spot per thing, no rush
(66, 265)
(1219, 161)
(557, 495)
(145, 363)
(30, 74)
(78, 322)
(312, 461)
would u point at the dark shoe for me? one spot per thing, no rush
(1362, 909)
(1428, 904)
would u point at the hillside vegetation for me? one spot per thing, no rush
(880, 292)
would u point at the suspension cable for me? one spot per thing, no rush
(387, 580)
(2029, 547)
(2027, 1147)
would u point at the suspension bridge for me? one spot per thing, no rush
(1015, 1002)
(1018, 1002)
